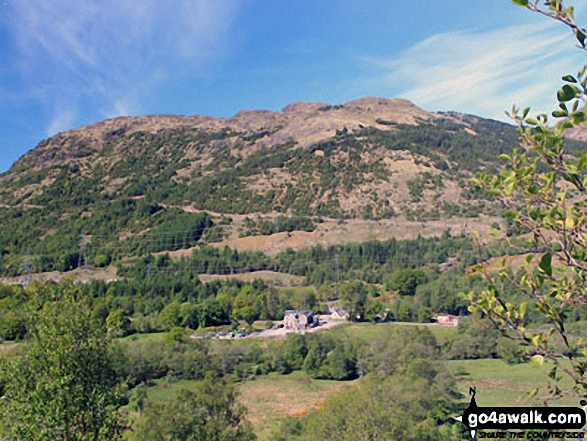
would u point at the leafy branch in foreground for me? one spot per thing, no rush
(555, 9)
(544, 191)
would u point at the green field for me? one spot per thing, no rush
(370, 331)
(165, 389)
(501, 384)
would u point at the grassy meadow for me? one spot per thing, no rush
(502, 384)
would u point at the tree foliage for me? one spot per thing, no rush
(543, 191)
(209, 413)
(62, 384)
(407, 280)
(393, 408)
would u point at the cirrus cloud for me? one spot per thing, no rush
(483, 73)
(111, 55)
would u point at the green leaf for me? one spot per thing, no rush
(532, 121)
(538, 359)
(569, 78)
(559, 114)
(546, 264)
(523, 308)
(571, 168)
(580, 33)
(554, 5)
(567, 93)
(520, 2)
(552, 373)
(509, 187)
(533, 189)
(578, 117)
(582, 164)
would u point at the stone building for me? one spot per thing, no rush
(447, 320)
(294, 319)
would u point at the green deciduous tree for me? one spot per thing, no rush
(189, 315)
(61, 385)
(247, 305)
(171, 315)
(295, 351)
(354, 296)
(12, 326)
(117, 323)
(212, 313)
(177, 334)
(543, 192)
(406, 281)
(393, 409)
(209, 413)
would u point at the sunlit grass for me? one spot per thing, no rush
(502, 384)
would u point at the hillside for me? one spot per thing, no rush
(135, 185)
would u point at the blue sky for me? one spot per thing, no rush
(67, 63)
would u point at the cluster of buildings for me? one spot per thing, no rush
(294, 319)
(299, 320)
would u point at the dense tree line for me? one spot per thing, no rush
(368, 261)
(159, 303)
(149, 227)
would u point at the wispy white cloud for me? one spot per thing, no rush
(112, 54)
(482, 72)
(62, 120)
(122, 108)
